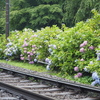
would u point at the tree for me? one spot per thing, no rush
(40, 13)
(25, 13)
(46, 15)
(2, 16)
(85, 8)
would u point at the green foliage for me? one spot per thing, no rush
(45, 15)
(17, 20)
(84, 11)
(68, 51)
(19, 4)
(70, 8)
(2, 28)
(2, 45)
(78, 10)
(42, 13)
(65, 47)
(34, 17)
(2, 5)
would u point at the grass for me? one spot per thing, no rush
(42, 68)
(34, 67)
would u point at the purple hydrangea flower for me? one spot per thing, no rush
(33, 46)
(31, 62)
(79, 74)
(76, 76)
(76, 69)
(85, 42)
(82, 59)
(91, 47)
(33, 49)
(25, 51)
(28, 52)
(47, 60)
(31, 53)
(82, 50)
(81, 45)
(22, 58)
(25, 48)
(21, 55)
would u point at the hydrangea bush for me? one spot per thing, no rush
(68, 50)
(2, 46)
(76, 45)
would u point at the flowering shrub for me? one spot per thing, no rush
(11, 51)
(76, 45)
(94, 64)
(2, 46)
(67, 50)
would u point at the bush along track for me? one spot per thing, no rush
(67, 50)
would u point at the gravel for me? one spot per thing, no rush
(31, 71)
(42, 74)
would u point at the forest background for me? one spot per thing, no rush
(36, 14)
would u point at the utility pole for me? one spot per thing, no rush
(7, 18)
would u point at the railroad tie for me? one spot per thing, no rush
(5, 76)
(24, 84)
(2, 74)
(8, 98)
(33, 87)
(24, 81)
(59, 94)
(48, 90)
(85, 99)
(90, 99)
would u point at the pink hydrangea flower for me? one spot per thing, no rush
(31, 62)
(33, 46)
(82, 50)
(34, 35)
(76, 76)
(25, 51)
(31, 53)
(21, 55)
(28, 52)
(25, 45)
(85, 42)
(82, 59)
(81, 45)
(22, 58)
(28, 55)
(79, 74)
(33, 49)
(76, 69)
(29, 58)
(91, 47)
(25, 48)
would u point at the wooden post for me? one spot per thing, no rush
(7, 18)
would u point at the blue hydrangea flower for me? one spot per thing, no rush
(97, 81)
(48, 67)
(96, 78)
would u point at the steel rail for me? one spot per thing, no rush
(62, 83)
(27, 95)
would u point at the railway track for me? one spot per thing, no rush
(28, 86)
